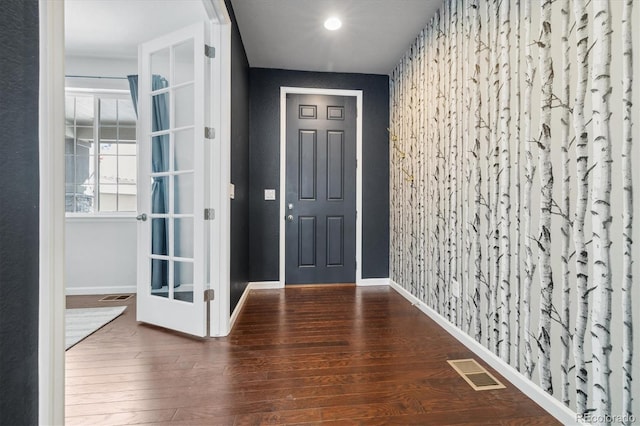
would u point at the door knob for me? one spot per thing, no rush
(142, 217)
(290, 218)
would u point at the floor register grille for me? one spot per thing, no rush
(476, 375)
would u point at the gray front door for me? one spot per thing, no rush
(320, 203)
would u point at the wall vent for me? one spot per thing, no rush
(474, 374)
(116, 297)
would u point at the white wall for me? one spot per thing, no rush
(99, 67)
(100, 255)
(100, 252)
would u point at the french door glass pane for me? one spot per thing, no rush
(183, 54)
(158, 234)
(160, 115)
(183, 237)
(183, 194)
(160, 64)
(159, 270)
(183, 98)
(183, 279)
(160, 204)
(160, 154)
(183, 146)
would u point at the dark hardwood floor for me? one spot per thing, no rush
(333, 355)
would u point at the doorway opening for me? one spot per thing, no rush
(52, 170)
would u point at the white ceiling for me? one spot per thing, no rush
(286, 34)
(290, 34)
(115, 28)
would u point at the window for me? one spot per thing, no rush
(100, 152)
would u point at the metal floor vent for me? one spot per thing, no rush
(474, 374)
(116, 298)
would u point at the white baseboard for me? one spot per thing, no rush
(364, 282)
(265, 285)
(239, 306)
(260, 285)
(85, 291)
(554, 407)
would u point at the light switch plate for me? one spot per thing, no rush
(232, 191)
(269, 194)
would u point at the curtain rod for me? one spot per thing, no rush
(93, 76)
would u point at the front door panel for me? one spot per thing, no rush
(320, 189)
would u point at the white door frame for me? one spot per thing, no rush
(283, 169)
(52, 210)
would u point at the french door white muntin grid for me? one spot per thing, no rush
(172, 173)
(169, 311)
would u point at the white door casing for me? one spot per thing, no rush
(358, 94)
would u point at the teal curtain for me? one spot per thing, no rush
(159, 185)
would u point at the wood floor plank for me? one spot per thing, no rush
(311, 355)
(129, 418)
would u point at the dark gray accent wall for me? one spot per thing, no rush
(19, 198)
(239, 260)
(264, 216)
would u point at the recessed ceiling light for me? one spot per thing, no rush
(332, 23)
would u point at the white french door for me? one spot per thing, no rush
(172, 103)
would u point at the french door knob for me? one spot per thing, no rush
(142, 217)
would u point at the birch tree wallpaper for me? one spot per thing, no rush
(512, 185)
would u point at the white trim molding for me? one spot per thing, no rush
(547, 402)
(239, 307)
(369, 282)
(260, 285)
(283, 167)
(219, 117)
(265, 285)
(52, 220)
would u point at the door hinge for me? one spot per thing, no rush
(209, 51)
(209, 214)
(209, 133)
(209, 295)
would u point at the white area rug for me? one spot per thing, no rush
(79, 323)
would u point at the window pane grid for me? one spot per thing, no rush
(100, 152)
